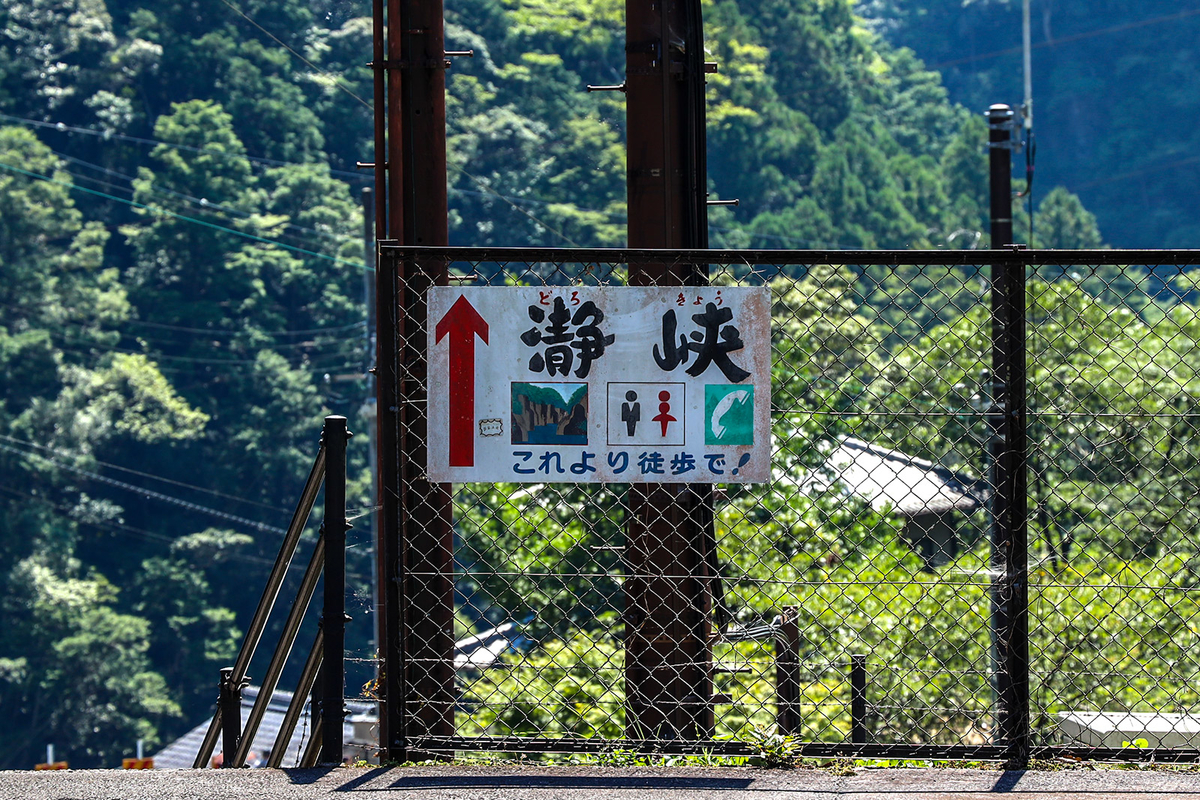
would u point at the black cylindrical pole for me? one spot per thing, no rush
(1010, 546)
(858, 699)
(1010, 540)
(334, 614)
(1000, 118)
(230, 702)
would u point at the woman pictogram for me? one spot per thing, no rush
(664, 417)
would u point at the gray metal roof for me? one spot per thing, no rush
(180, 753)
(474, 652)
(888, 478)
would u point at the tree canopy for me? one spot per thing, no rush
(180, 287)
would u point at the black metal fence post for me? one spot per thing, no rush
(858, 699)
(1000, 150)
(230, 703)
(334, 614)
(787, 672)
(1011, 543)
(1010, 613)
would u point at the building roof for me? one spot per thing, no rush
(474, 652)
(481, 650)
(1118, 728)
(180, 753)
(887, 478)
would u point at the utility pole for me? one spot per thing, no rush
(415, 539)
(367, 412)
(670, 548)
(1027, 113)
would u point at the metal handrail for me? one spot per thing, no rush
(270, 593)
(308, 676)
(288, 638)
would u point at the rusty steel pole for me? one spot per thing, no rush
(415, 544)
(670, 547)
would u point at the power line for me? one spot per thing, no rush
(487, 191)
(337, 81)
(1068, 39)
(212, 332)
(121, 527)
(85, 347)
(199, 201)
(204, 204)
(68, 454)
(62, 127)
(184, 218)
(129, 487)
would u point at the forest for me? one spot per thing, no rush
(181, 271)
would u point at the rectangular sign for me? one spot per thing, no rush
(600, 383)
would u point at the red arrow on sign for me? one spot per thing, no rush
(462, 322)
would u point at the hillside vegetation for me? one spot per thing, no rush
(1114, 86)
(180, 281)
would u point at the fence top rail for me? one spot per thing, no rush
(614, 255)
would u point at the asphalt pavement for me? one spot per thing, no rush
(454, 782)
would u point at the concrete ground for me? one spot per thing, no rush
(454, 782)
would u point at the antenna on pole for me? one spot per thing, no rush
(1027, 113)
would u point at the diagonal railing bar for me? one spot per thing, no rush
(283, 649)
(266, 603)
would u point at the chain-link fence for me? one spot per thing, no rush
(978, 539)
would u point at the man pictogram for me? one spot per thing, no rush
(631, 412)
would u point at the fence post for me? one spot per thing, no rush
(787, 672)
(1000, 143)
(333, 678)
(230, 702)
(858, 699)
(1010, 593)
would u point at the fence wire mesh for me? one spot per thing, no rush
(861, 601)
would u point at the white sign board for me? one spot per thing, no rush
(588, 383)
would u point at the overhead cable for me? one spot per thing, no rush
(1067, 39)
(337, 81)
(62, 127)
(68, 454)
(129, 487)
(199, 201)
(185, 218)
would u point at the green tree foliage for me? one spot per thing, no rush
(1135, 176)
(76, 648)
(180, 280)
(1063, 223)
(66, 642)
